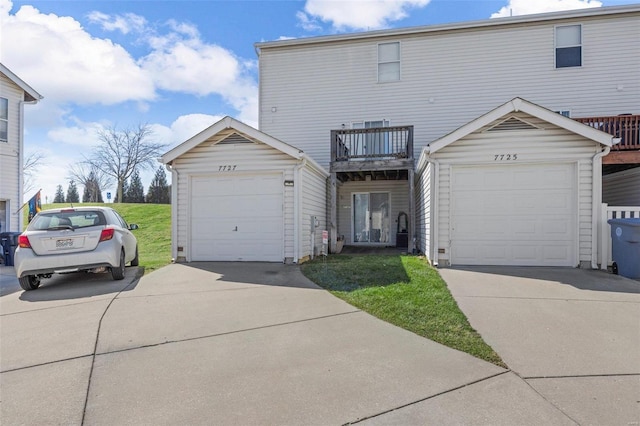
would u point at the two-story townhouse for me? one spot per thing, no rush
(456, 139)
(14, 94)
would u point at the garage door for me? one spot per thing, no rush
(514, 215)
(237, 218)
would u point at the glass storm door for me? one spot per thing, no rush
(371, 217)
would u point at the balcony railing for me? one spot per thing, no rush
(382, 143)
(626, 127)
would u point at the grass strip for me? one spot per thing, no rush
(402, 290)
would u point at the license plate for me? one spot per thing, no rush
(63, 244)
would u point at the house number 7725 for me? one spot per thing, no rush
(227, 168)
(505, 157)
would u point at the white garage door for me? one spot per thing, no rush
(514, 215)
(237, 218)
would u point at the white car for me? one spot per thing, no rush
(74, 239)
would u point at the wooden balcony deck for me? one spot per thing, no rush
(624, 126)
(374, 149)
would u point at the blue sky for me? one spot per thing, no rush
(179, 66)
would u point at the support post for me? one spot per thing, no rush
(333, 212)
(412, 213)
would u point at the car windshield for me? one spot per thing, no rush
(66, 220)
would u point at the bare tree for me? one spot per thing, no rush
(30, 166)
(120, 152)
(92, 178)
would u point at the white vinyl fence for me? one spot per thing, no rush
(604, 229)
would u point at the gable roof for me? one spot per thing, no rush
(244, 130)
(517, 105)
(32, 95)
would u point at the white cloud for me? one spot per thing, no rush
(126, 23)
(183, 128)
(526, 7)
(64, 62)
(357, 14)
(182, 62)
(69, 66)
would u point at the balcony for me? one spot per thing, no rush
(624, 126)
(374, 149)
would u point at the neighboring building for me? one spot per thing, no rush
(14, 93)
(241, 195)
(366, 106)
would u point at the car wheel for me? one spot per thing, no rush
(136, 260)
(614, 268)
(29, 282)
(118, 272)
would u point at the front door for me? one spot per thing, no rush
(371, 217)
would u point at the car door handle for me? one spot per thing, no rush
(236, 229)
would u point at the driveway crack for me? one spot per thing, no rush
(95, 346)
(427, 398)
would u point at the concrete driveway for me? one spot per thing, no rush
(573, 335)
(234, 344)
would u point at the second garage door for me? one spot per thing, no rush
(514, 215)
(237, 218)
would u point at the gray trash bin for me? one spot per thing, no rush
(625, 240)
(8, 244)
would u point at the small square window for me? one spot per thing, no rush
(568, 46)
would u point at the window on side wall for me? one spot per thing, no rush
(388, 62)
(4, 120)
(569, 46)
(565, 112)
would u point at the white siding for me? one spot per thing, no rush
(398, 198)
(549, 144)
(10, 162)
(207, 158)
(424, 201)
(448, 79)
(314, 203)
(622, 188)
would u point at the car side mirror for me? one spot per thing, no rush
(133, 226)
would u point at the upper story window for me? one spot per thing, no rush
(569, 46)
(4, 120)
(388, 62)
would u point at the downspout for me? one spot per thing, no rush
(174, 211)
(297, 176)
(435, 179)
(596, 201)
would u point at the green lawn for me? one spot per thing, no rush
(402, 290)
(154, 234)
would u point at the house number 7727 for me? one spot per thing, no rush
(227, 168)
(505, 157)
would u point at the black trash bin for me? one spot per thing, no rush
(625, 246)
(8, 244)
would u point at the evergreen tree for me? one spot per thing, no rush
(59, 197)
(159, 192)
(92, 191)
(135, 193)
(72, 193)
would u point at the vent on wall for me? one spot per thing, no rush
(234, 138)
(512, 123)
